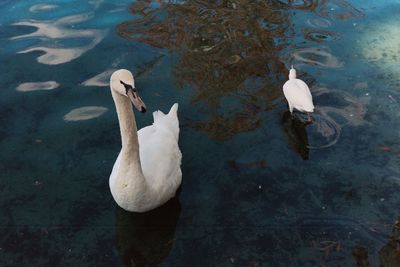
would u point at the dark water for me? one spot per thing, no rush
(259, 189)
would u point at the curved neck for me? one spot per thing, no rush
(128, 184)
(128, 129)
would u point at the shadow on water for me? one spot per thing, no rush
(295, 130)
(145, 239)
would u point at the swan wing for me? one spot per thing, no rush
(298, 95)
(160, 155)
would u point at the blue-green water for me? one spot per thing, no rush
(259, 189)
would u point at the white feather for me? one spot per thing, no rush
(298, 95)
(143, 181)
(160, 155)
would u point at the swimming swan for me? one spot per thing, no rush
(298, 94)
(147, 171)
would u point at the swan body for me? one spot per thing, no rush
(297, 94)
(147, 171)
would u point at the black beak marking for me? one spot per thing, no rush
(143, 110)
(128, 87)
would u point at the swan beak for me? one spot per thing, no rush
(136, 100)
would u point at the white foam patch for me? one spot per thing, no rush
(42, 8)
(52, 32)
(85, 113)
(101, 80)
(37, 86)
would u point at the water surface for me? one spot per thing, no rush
(259, 189)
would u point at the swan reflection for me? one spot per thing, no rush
(295, 130)
(145, 239)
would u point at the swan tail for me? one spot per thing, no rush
(158, 116)
(168, 121)
(174, 110)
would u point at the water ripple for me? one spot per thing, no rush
(320, 56)
(320, 36)
(100, 80)
(42, 7)
(338, 9)
(319, 23)
(36, 86)
(328, 129)
(353, 111)
(329, 120)
(50, 32)
(85, 113)
(333, 9)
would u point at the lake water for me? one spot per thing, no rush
(259, 189)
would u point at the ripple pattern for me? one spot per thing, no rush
(37, 86)
(320, 56)
(52, 34)
(85, 113)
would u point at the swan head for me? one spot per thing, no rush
(123, 83)
(292, 73)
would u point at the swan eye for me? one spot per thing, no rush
(128, 87)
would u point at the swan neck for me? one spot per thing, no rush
(127, 126)
(292, 74)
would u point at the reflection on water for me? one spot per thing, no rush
(35, 86)
(360, 255)
(330, 9)
(145, 239)
(329, 119)
(320, 36)
(85, 113)
(389, 255)
(380, 46)
(53, 33)
(234, 60)
(319, 23)
(295, 129)
(100, 80)
(337, 9)
(382, 43)
(352, 109)
(247, 199)
(225, 57)
(319, 56)
(42, 7)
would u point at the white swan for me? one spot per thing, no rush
(298, 94)
(147, 171)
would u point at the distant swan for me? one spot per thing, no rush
(298, 94)
(147, 171)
